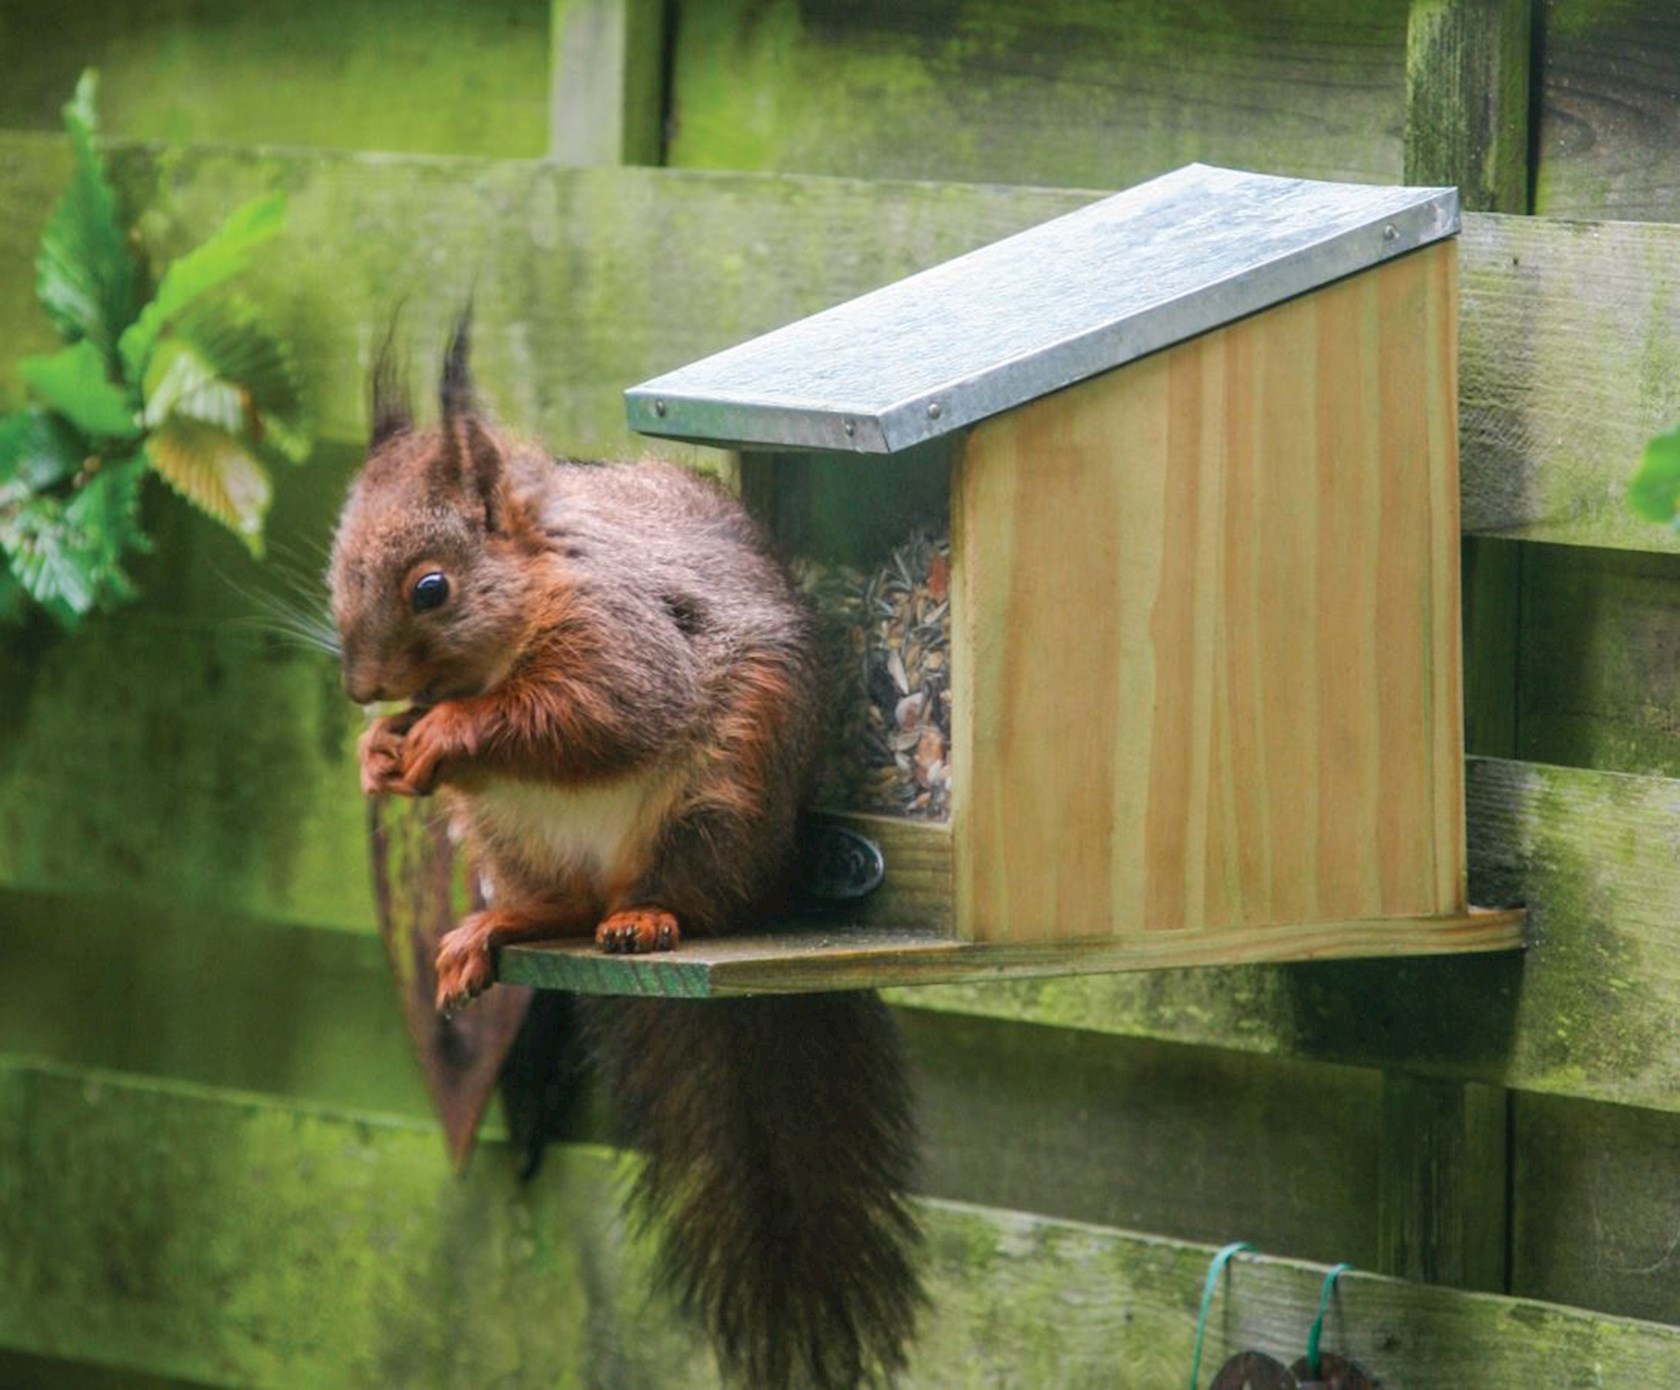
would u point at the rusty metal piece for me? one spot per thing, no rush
(1334, 1373)
(1253, 1370)
(422, 887)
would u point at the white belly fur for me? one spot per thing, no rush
(599, 831)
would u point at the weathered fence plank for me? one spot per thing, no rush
(380, 74)
(1467, 79)
(204, 823)
(1442, 1178)
(1609, 121)
(1598, 678)
(599, 278)
(1590, 1010)
(1594, 1221)
(186, 764)
(998, 90)
(1570, 362)
(213, 1261)
(1587, 1010)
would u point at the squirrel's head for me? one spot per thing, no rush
(430, 564)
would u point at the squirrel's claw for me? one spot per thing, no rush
(465, 968)
(637, 931)
(380, 753)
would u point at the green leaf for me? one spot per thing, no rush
(224, 255)
(180, 382)
(73, 382)
(106, 516)
(1655, 491)
(230, 336)
(84, 274)
(216, 473)
(49, 558)
(37, 451)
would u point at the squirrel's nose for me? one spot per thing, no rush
(361, 689)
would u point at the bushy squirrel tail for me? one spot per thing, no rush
(779, 1144)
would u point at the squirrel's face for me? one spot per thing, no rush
(428, 592)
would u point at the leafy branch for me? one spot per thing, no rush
(192, 386)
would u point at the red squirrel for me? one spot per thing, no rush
(614, 686)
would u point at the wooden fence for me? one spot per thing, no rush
(215, 1162)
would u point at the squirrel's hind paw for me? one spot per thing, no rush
(465, 968)
(637, 931)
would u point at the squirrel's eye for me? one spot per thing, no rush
(429, 592)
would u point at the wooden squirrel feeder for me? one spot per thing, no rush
(1196, 449)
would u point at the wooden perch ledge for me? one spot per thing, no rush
(801, 959)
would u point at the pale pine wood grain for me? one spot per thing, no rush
(1209, 645)
(1446, 640)
(1405, 602)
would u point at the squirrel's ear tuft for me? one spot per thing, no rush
(392, 414)
(455, 387)
(484, 474)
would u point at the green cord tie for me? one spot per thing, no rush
(1215, 1268)
(1336, 1272)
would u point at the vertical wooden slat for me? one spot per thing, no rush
(1467, 76)
(1441, 1165)
(1443, 1204)
(606, 82)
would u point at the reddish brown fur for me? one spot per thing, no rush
(605, 622)
(618, 699)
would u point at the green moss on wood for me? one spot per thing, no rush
(206, 996)
(187, 765)
(1077, 93)
(1570, 362)
(1609, 109)
(1467, 80)
(601, 278)
(432, 76)
(1593, 1206)
(213, 1238)
(1599, 679)
(1584, 1011)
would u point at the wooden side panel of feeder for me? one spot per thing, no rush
(1207, 649)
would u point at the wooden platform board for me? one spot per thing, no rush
(803, 959)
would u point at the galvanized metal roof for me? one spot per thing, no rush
(1112, 282)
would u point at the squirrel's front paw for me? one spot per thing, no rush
(465, 967)
(638, 930)
(436, 739)
(381, 754)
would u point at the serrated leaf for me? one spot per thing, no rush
(1655, 491)
(223, 256)
(106, 516)
(37, 451)
(84, 274)
(180, 382)
(47, 558)
(216, 473)
(229, 334)
(72, 381)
